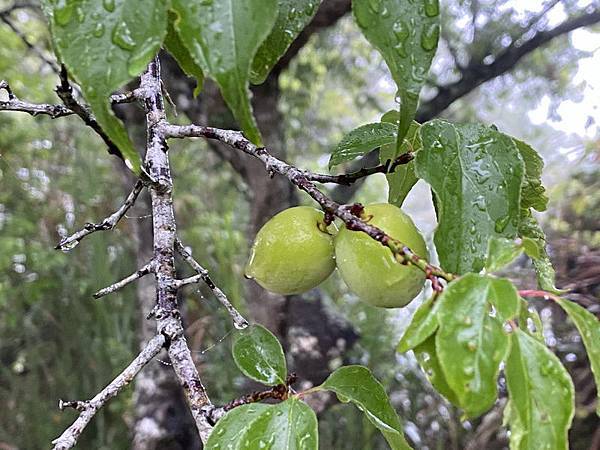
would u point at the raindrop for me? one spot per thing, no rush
(375, 5)
(385, 12)
(63, 11)
(432, 8)
(479, 203)
(109, 5)
(80, 14)
(430, 36)
(468, 371)
(99, 30)
(472, 346)
(500, 224)
(121, 36)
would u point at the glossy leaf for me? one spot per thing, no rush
(223, 37)
(423, 324)
(470, 344)
(531, 322)
(589, 329)
(259, 355)
(179, 51)
(401, 180)
(501, 252)
(357, 384)
(406, 34)
(292, 17)
(533, 192)
(361, 141)
(289, 425)
(541, 396)
(104, 45)
(476, 173)
(427, 358)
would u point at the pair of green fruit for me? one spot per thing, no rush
(295, 251)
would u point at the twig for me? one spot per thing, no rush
(34, 109)
(347, 179)
(238, 320)
(88, 409)
(350, 215)
(534, 293)
(125, 281)
(108, 223)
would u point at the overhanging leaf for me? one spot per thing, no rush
(589, 329)
(104, 45)
(406, 34)
(423, 324)
(469, 343)
(357, 384)
(223, 37)
(292, 17)
(289, 425)
(541, 396)
(259, 355)
(361, 141)
(501, 252)
(476, 173)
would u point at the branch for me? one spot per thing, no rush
(88, 409)
(238, 320)
(347, 179)
(350, 215)
(125, 281)
(478, 73)
(15, 104)
(107, 224)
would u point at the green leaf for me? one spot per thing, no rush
(293, 16)
(223, 37)
(525, 314)
(357, 384)
(589, 329)
(401, 180)
(179, 51)
(533, 192)
(423, 324)
(406, 34)
(476, 174)
(427, 358)
(470, 344)
(104, 45)
(259, 355)
(541, 396)
(501, 252)
(289, 425)
(361, 141)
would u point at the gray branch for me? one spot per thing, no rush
(238, 320)
(108, 223)
(89, 408)
(35, 109)
(125, 281)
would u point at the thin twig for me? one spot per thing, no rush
(15, 104)
(347, 179)
(125, 281)
(88, 409)
(108, 223)
(238, 320)
(351, 215)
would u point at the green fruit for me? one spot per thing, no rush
(292, 253)
(370, 270)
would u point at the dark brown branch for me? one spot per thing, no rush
(238, 320)
(89, 408)
(350, 215)
(108, 223)
(347, 179)
(477, 73)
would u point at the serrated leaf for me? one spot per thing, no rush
(423, 324)
(589, 329)
(292, 17)
(501, 252)
(104, 45)
(258, 354)
(223, 37)
(428, 360)
(357, 384)
(179, 51)
(401, 180)
(470, 344)
(361, 141)
(541, 396)
(289, 425)
(406, 34)
(476, 173)
(533, 192)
